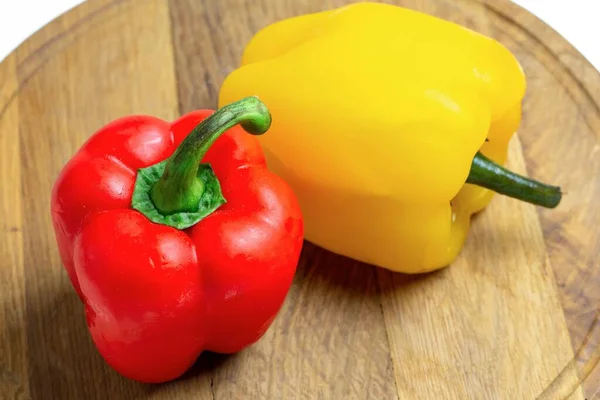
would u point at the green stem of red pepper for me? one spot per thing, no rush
(486, 173)
(180, 191)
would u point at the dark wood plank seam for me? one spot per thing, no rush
(212, 387)
(211, 89)
(172, 24)
(387, 335)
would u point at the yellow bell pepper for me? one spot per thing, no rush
(389, 125)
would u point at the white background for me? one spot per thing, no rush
(576, 20)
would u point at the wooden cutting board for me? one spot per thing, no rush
(500, 323)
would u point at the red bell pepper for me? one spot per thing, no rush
(177, 237)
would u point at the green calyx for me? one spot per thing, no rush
(180, 191)
(210, 199)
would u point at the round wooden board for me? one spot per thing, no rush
(500, 323)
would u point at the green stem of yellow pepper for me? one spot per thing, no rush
(488, 174)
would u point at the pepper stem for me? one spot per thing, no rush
(179, 189)
(486, 173)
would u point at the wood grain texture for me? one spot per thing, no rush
(500, 323)
(492, 324)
